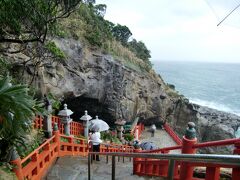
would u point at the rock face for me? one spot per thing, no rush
(90, 80)
(101, 84)
(211, 125)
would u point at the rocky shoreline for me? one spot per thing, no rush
(211, 125)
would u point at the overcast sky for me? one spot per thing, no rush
(180, 29)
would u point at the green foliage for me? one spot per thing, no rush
(63, 139)
(17, 109)
(100, 9)
(89, 25)
(58, 31)
(57, 52)
(106, 136)
(171, 86)
(56, 103)
(23, 151)
(128, 137)
(4, 67)
(81, 136)
(110, 136)
(29, 20)
(141, 51)
(115, 140)
(121, 33)
(97, 30)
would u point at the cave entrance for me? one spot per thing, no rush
(95, 108)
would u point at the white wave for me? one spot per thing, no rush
(214, 105)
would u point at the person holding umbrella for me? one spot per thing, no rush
(97, 126)
(96, 141)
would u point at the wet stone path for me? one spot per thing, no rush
(161, 139)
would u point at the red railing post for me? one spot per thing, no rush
(136, 135)
(186, 170)
(136, 165)
(18, 168)
(236, 171)
(212, 173)
(72, 144)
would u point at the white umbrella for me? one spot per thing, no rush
(98, 125)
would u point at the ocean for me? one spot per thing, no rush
(215, 85)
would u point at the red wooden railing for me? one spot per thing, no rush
(116, 148)
(174, 136)
(184, 170)
(137, 130)
(217, 143)
(76, 128)
(163, 150)
(36, 163)
(38, 122)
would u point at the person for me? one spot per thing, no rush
(153, 129)
(96, 141)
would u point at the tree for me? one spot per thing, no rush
(97, 29)
(140, 49)
(23, 21)
(17, 109)
(121, 33)
(100, 9)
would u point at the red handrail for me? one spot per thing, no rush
(174, 136)
(35, 164)
(217, 143)
(162, 150)
(137, 129)
(72, 146)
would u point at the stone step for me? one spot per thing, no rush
(75, 168)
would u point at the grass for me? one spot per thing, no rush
(75, 27)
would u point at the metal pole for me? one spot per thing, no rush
(113, 167)
(89, 166)
(171, 169)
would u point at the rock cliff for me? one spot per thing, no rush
(108, 87)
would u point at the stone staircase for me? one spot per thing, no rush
(75, 168)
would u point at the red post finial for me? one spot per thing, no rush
(186, 171)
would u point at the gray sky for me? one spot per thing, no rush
(180, 29)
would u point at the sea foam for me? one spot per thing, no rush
(214, 105)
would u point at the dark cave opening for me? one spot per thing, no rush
(95, 108)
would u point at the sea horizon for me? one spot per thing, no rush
(211, 84)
